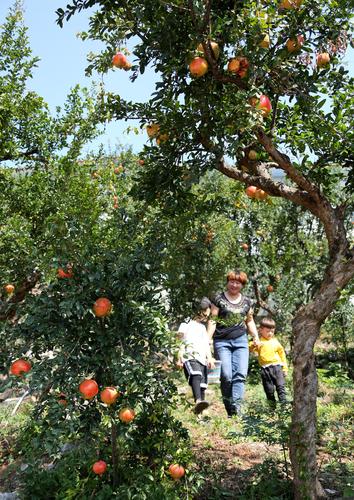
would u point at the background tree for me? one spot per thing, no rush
(219, 115)
(99, 232)
(32, 143)
(30, 135)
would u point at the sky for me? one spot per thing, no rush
(63, 62)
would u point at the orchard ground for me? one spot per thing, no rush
(241, 458)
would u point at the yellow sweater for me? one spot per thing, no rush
(270, 352)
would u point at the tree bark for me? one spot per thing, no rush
(306, 330)
(304, 419)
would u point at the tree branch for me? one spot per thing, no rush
(285, 164)
(28, 155)
(264, 181)
(261, 303)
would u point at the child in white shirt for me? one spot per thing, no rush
(195, 355)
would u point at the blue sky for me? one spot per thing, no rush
(63, 62)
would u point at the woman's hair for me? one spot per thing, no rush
(238, 276)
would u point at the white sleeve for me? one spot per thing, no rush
(183, 328)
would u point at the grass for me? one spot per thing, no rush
(10, 455)
(264, 472)
(240, 458)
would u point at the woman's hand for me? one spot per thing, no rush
(253, 348)
(256, 343)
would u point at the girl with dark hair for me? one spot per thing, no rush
(195, 355)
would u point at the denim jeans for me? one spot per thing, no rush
(233, 355)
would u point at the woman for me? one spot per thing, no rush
(233, 319)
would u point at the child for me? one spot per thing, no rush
(271, 357)
(195, 355)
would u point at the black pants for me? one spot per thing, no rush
(273, 378)
(197, 376)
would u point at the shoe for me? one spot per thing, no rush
(200, 406)
(235, 410)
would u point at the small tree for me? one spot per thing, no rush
(101, 251)
(289, 98)
(72, 220)
(32, 144)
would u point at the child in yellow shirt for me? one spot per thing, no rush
(271, 357)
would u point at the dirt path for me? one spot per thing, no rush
(226, 456)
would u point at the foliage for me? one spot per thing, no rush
(208, 120)
(129, 350)
(339, 330)
(153, 238)
(29, 134)
(204, 108)
(269, 482)
(75, 214)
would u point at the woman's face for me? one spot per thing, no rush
(234, 287)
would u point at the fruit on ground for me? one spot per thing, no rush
(9, 289)
(270, 288)
(214, 47)
(119, 60)
(88, 388)
(251, 191)
(20, 367)
(176, 471)
(109, 395)
(265, 42)
(198, 67)
(290, 4)
(126, 415)
(295, 44)
(244, 246)
(99, 467)
(322, 59)
(153, 130)
(239, 66)
(102, 307)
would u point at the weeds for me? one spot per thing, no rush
(241, 458)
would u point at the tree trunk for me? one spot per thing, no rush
(306, 329)
(303, 431)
